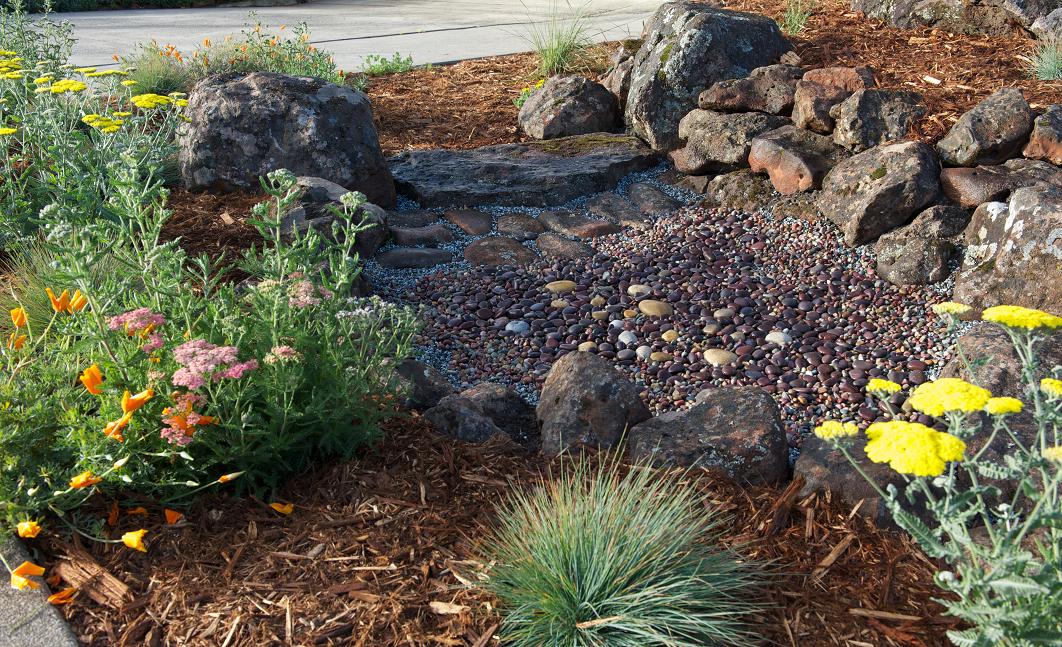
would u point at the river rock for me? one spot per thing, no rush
(688, 46)
(992, 132)
(242, 126)
(735, 430)
(553, 245)
(870, 118)
(768, 89)
(498, 250)
(569, 105)
(878, 190)
(585, 401)
(537, 174)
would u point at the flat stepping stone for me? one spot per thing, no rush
(498, 250)
(413, 257)
(410, 219)
(617, 209)
(541, 174)
(520, 226)
(430, 236)
(577, 225)
(557, 246)
(651, 200)
(473, 223)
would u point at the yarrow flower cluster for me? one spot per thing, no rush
(1019, 317)
(1052, 387)
(949, 394)
(279, 354)
(200, 360)
(912, 448)
(878, 385)
(950, 308)
(141, 323)
(303, 294)
(1003, 406)
(833, 430)
(182, 419)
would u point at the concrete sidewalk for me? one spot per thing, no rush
(431, 31)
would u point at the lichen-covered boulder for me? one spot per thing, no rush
(993, 17)
(768, 89)
(735, 430)
(569, 105)
(717, 141)
(585, 401)
(1048, 27)
(880, 189)
(242, 126)
(741, 190)
(795, 159)
(1014, 252)
(689, 46)
(991, 132)
(870, 118)
(1045, 141)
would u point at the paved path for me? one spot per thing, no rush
(432, 31)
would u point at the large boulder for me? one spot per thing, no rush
(795, 159)
(585, 401)
(717, 141)
(920, 253)
(1048, 27)
(823, 88)
(878, 190)
(1014, 252)
(539, 174)
(825, 468)
(424, 385)
(689, 46)
(992, 132)
(993, 17)
(242, 126)
(768, 89)
(484, 411)
(741, 190)
(1045, 142)
(870, 118)
(569, 105)
(735, 430)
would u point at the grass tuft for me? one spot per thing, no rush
(1047, 61)
(561, 39)
(601, 557)
(796, 16)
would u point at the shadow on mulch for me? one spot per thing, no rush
(212, 224)
(470, 104)
(382, 551)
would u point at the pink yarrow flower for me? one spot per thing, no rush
(200, 361)
(136, 320)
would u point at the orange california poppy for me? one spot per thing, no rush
(172, 516)
(92, 378)
(28, 529)
(139, 510)
(18, 317)
(66, 596)
(114, 428)
(84, 479)
(77, 302)
(20, 576)
(225, 478)
(282, 508)
(60, 303)
(131, 403)
(135, 540)
(16, 341)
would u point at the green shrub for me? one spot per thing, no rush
(796, 16)
(1004, 548)
(1047, 61)
(163, 69)
(597, 557)
(375, 65)
(561, 39)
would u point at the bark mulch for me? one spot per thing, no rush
(382, 551)
(470, 104)
(211, 224)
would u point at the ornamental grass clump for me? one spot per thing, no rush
(996, 523)
(599, 556)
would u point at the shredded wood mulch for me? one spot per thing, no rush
(211, 224)
(382, 550)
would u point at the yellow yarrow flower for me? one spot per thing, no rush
(128, 82)
(1003, 406)
(84, 70)
(833, 429)
(878, 385)
(1052, 387)
(67, 85)
(149, 101)
(912, 448)
(1019, 317)
(949, 394)
(41, 80)
(4, 132)
(950, 308)
(1053, 454)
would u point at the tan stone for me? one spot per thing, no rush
(587, 346)
(659, 357)
(655, 308)
(559, 303)
(556, 287)
(669, 336)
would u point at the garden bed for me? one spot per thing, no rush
(383, 551)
